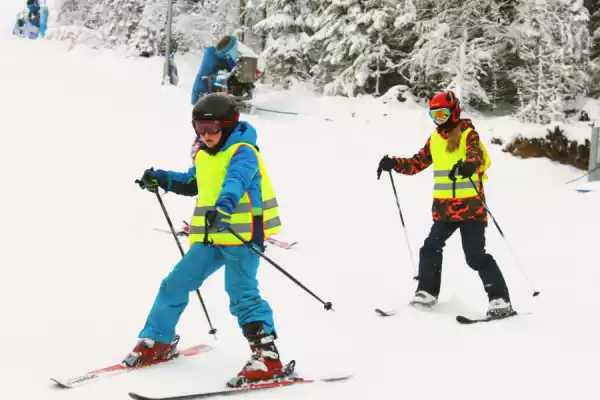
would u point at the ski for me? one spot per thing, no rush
(178, 233)
(386, 313)
(461, 319)
(117, 369)
(243, 389)
(395, 311)
(280, 244)
(185, 232)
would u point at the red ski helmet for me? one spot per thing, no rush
(445, 103)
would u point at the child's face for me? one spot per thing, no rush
(211, 139)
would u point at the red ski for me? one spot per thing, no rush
(242, 389)
(117, 369)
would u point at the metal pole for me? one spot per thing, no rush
(166, 75)
(594, 164)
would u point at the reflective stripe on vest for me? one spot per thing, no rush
(443, 162)
(211, 172)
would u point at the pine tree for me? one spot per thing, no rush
(594, 29)
(379, 62)
(121, 19)
(350, 48)
(457, 40)
(140, 24)
(552, 41)
(287, 30)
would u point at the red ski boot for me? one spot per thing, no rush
(264, 364)
(148, 350)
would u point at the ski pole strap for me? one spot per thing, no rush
(452, 176)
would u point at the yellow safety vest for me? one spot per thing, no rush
(210, 175)
(444, 187)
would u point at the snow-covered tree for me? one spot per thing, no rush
(104, 22)
(287, 29)
(594, 29)
(351, 46)
(552, 39)
(140, 25)
(456, 44)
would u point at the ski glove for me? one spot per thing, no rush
(218, 219)
(386, 164)
(152, 179)
(467, 169)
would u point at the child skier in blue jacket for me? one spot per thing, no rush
(234, 194)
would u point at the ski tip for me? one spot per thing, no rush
(382, 313)
(139, 396)
(59, 384)
(142, 397)
(337, 378)
(461, 319)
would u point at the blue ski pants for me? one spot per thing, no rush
(201, 261)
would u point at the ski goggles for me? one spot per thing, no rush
(207, 127)
(440, 115)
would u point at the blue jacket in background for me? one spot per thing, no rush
(214, 60)
(27, 30)
(43, 20)
(34, 8)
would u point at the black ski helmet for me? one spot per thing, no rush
(216, 107)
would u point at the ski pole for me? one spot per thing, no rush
(328, 305)
(412, 260)
(212, 331)
(531, 286)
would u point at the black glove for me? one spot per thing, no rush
(218, 219)
(467, 169)
(386, 164)
(152, 179)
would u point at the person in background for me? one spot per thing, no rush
(20, 28)
(225, 56)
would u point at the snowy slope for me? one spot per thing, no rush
(81, 263)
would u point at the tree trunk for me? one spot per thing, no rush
(462, 63)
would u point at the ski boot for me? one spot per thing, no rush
(264, 364)
(148, 350)
(499, 308)
(423, 299)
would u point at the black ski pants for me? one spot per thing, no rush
(473, 241)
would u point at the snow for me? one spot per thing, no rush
(81, 262)
(509, 127)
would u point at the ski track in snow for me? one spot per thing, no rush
(81, 263)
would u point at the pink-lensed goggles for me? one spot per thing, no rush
(210, 127)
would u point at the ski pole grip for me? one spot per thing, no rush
(452, 174)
